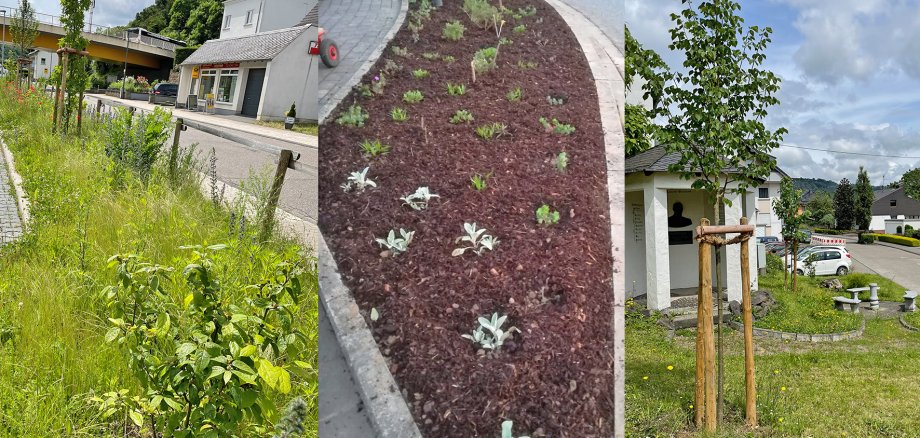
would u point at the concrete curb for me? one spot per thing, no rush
(386, 408)
(340, 94)
(804, 337)
(21, 197)
(607, 66)
(907, 324)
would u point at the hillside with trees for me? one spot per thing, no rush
(192, 21)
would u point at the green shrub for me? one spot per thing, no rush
(481, 13)
(774, 263)
(899, 240)
(453, 31)
(135, 142)
(484, 60)
(830, 231)
(354, 116)
(857, 279)
(867, 238)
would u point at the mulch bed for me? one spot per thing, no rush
(554, 378)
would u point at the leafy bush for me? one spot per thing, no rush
(857, 279)
(484, 60)
(413, 96)
(867, 238)
(453, 31)
(461, 116)
(208, 353)
(481, 13)
(900, 240)
(132, 84)
(829, 231)
(134, 142)
(354, 116)
(774, 263)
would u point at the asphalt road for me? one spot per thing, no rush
(900, 265)
(608, 15)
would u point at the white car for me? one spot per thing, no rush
(825, 260)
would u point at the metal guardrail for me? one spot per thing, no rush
(55, 20)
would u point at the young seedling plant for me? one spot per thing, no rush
(489, 334)
(491, 130)
(546, 215)
(374, 147)
(461, 116)
(515, 95)
(480, 181)
(396, 245)
(477, 239)
(354, 116)
(413, 96)
(399, 115)
(419, 200)
(453, 31)
(561, 162)
(556, 126)
(456, 89)
(420, 74)
(358, 181)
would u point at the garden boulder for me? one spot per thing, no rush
(833, 283)
(761, 304)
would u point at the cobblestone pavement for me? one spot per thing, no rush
(10, 224)
(358, 27)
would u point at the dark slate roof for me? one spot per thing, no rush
(881, 193)
(312, 17)
(904, 205)
(657, 159)
(259, 47)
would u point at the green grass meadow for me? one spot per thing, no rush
(53, 352)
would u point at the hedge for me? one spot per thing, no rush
(900, 240)
(831, 232)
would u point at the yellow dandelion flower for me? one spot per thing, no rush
(780, 419)
(644, 377)
(775, 371)
(691, 406)
(782, 388)
(670, 367)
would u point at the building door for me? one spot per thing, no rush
(253, 93)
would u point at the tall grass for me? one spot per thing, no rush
(53, 355)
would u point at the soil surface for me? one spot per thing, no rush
(552, 379)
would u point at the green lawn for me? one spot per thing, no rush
(53, 316)
(826, 385)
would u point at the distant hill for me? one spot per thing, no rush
(811, 186)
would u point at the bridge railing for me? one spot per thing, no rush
(7, 13)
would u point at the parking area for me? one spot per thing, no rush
(900, 265)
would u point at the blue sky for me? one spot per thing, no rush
(851, 79)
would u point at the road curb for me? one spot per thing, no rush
(906, 324)
(387, 410)
(21, 199)
(343, 91)
(804, 337)
(606, 62)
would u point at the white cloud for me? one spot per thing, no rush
(107, 12)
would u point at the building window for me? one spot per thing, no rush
(206, 85)
(894, 202)
(763, 193)
(249, 17)
(43, 61)
(226, 86)
(227, 22)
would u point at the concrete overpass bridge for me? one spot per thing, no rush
(145, 51)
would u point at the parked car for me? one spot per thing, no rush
(767, 239)
(806, 236)
(166, 89)
(776, 247)
(826, 260)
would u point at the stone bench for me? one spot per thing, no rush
(909, 301)
(846, 304)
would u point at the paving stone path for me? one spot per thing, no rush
(10, 223)
(359, 28)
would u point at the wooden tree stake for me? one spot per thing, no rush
(174, 151)
(284, 161)
(750, 401)
(706, 373)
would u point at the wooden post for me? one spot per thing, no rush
(284, 161)
(750, 401)
(98, 109)
(174, 152)
(699, 400)
(62, 92)
(80, 115)
(705, 379)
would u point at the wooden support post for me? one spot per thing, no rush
(98, 109)
(80, 115)
(750, 401)
(284, 161)
(62, 92)
(705, 379)
(174, 151)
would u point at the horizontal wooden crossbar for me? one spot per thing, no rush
(724, 229)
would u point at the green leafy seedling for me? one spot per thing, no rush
(546, 215)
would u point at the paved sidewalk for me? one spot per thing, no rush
(237, 123)
(10, 224)
(360, 28)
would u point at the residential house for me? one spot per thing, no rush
(662, 212)
(259, 66)
(43, 63)
(892, 209)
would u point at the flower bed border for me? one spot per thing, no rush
(804, 337)
(21, 197)
(907, 324)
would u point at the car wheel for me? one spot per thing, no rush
(841, 271)
(329, 53)
(799, 272)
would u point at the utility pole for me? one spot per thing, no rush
(4, 41)
(124, 76)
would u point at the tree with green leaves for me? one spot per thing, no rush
(715, 109)
(786, 207)
(75, 75)
(820, 207)
(863, 200)
(910, 181)
(844, 203)
(23, 30)
(650, 68)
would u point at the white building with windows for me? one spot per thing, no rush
(894, 210)
(768, 223)
(259, 66)
(43, 63)
(662, 213)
